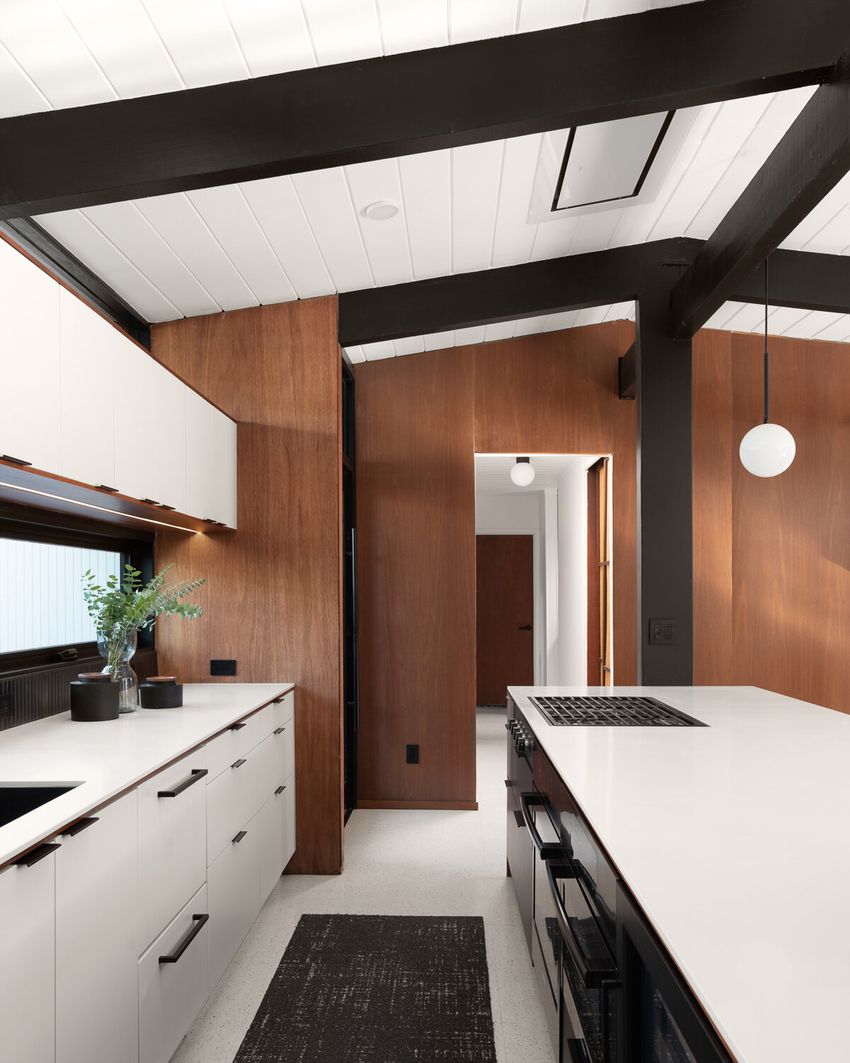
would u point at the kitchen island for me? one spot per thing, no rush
(732, 838)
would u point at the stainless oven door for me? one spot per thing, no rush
(590, 981)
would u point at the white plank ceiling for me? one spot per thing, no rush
(301, 236)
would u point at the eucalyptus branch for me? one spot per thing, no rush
(123, 606)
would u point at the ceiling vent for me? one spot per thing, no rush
(608, 165)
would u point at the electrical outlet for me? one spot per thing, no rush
(662, 632)
(222, 667)
(413, 754)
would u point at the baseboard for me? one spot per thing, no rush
(456, 806)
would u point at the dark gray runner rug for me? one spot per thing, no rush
(377, 989)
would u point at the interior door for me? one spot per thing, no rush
(504, 615)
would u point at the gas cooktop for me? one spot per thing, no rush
(611, 710)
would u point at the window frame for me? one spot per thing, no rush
(40, 526)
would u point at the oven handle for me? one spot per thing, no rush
(547, 850)
(593, 977)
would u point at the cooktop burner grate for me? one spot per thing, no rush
(612, 710)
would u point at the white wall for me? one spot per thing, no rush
(571, 654)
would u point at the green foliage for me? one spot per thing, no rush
(127, 605)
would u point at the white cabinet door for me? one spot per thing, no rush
(210, 461)
(233, 884)
(271, 828)
(150, 429)
(96, 940)
(229, 805)
(89, 351)
(26, 962)
(174, 981)
(29, 362)
(172, 842)
(290, 838)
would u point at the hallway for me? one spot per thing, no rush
(400, 863)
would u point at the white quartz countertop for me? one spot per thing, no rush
(735, 840)
(108, 757)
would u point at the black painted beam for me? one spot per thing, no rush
(547, 287)
(802, 279)
(627, 373)
(665, 531)
(807, 163)
(303, 120)
(58, 260)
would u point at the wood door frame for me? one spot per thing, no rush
(538, 643)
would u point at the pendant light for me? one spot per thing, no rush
(523, 472)
(768, 449)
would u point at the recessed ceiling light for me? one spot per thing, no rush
(380, 210)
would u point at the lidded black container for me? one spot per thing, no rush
(161, 692)
(94, 697)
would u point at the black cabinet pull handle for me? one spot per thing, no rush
(173, 957)
(196, 776)
(520, 822)
(508, 784)
(524, 627)
(279, 791)
(279, 730)
(106, 487)
(239, 837)
(150, 501)
(238, 763)
(79, 826)
(277, 701)
(39, 853)
(236, 726)
(547, 850)
(14, 461)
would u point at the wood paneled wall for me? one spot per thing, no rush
(420, 420)
(772, 557)
(272, 600)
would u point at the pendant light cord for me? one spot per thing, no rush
(766, 356)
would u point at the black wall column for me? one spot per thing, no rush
(665, 551)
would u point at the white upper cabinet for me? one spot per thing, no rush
(210, 462)
(150, 429)
(88, 352)
(29, 362)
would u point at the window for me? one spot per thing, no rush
(42, 601)
(43, 618)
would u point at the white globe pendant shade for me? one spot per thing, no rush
(522, 473)
(767, 450)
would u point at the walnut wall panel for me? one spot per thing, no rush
(272, 599)
(416, 572)
(420, 419)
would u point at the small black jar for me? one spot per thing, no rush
(94, 697)
(161, 692)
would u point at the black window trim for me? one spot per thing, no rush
(33, 525)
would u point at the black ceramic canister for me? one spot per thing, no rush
(94, 697)
(161, 692)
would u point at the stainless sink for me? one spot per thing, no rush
(16, 799)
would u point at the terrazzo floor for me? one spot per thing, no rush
(400, 863)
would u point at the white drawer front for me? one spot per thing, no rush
(234, 896)
(230, 799)
(284, 709)
(172, 994)
(222, 751)
(265, 775)
(172, 842)
(284, 739)
(271, 826)
(257, 727)
(290, 839)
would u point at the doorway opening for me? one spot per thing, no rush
(544, 574)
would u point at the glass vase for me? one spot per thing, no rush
(117, 652)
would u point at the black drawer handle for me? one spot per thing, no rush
(106, 487)
(520, 822)
(279, 730)
(39, 853)
(14, 461)
(172, 957)
(278, 701)
(279, 791)
(196, 776)
(236, 726)
(79, 826)
(508, 784)
(238, 763)
(239, 837)
(547, 850)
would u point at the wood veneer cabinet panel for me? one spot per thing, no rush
(272, 600)
(715, 455)
(416, 570)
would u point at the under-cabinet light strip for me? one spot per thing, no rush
(100, 509)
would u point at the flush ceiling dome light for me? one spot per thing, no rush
(523, 473)
(768, 449)
(380, 210)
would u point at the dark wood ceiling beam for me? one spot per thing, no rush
(486, 296)
(805, 280)
(658, 60)
(807, 163)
